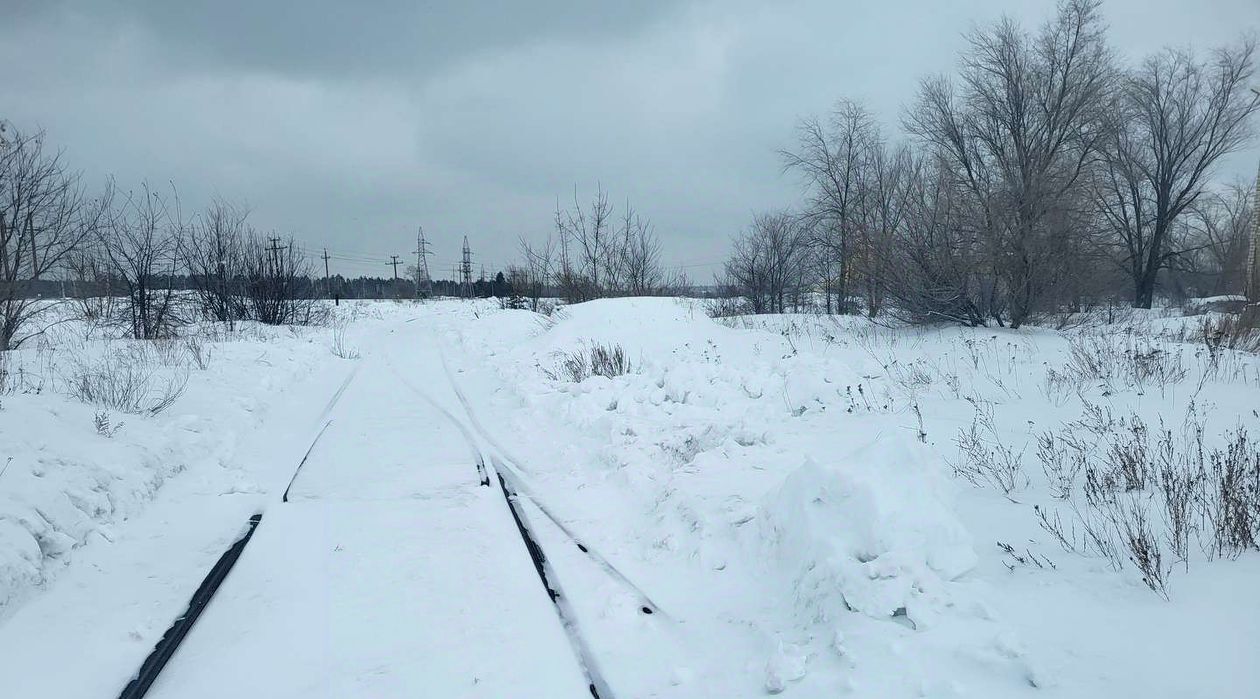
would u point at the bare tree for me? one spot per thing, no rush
(1220, 226)
(44, 217)
(832, 160)
(141, 242)
(935, 268)
(1174, 118)
(882, 206)
(214, 251)
(598, 253)
(586, 245)
(1019, 132)
(636, 262)
(92, 284)
(538, 271)
(769, 263)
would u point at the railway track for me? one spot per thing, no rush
(510, 486)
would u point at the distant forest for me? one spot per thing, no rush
(336, 286)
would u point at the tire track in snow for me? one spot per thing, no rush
(336, 397)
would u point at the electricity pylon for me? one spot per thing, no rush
(465, 271)
(424, 284)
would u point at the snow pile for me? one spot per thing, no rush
(70, 471)
(724, 460)
(65, 482)
(866, 535)
(648, 328)
(787, 485)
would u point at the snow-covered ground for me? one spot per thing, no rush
(758, 505)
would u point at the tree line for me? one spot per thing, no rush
(129, 255)
(136, 260)
(1044, 175)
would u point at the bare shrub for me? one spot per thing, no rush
(1058, 386)
(728, 307)
(1130, 362)
(197, 352)
(1149, 492)
(169, 351)
(1179, 485)
(984, 458)
(104, 426)
(214, 252)
(1128, 455)
(92, 288)
(276, 281)
(127, 380)
(339, 347)
(1062, 459)
(1233, 502)
(1229, 331)
(609, 361)
(597, 253)
(5, 384)
(1143, 546)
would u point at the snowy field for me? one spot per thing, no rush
(796, 504)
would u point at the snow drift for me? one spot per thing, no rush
(866, 534)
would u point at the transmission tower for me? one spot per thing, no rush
(465, 271)
(424, 285)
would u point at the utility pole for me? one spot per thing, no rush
(393, 260)
(275, 255)
(424, 285)
(465, 271)
(327, 279)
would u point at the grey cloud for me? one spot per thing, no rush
(349, 124)
(342, 38)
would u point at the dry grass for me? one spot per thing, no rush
(596, 360)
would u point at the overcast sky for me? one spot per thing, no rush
(348, 124)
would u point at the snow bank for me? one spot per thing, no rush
(866, 534)
(647, 328)
(72, 471)
(726, 475)
(63, 483)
